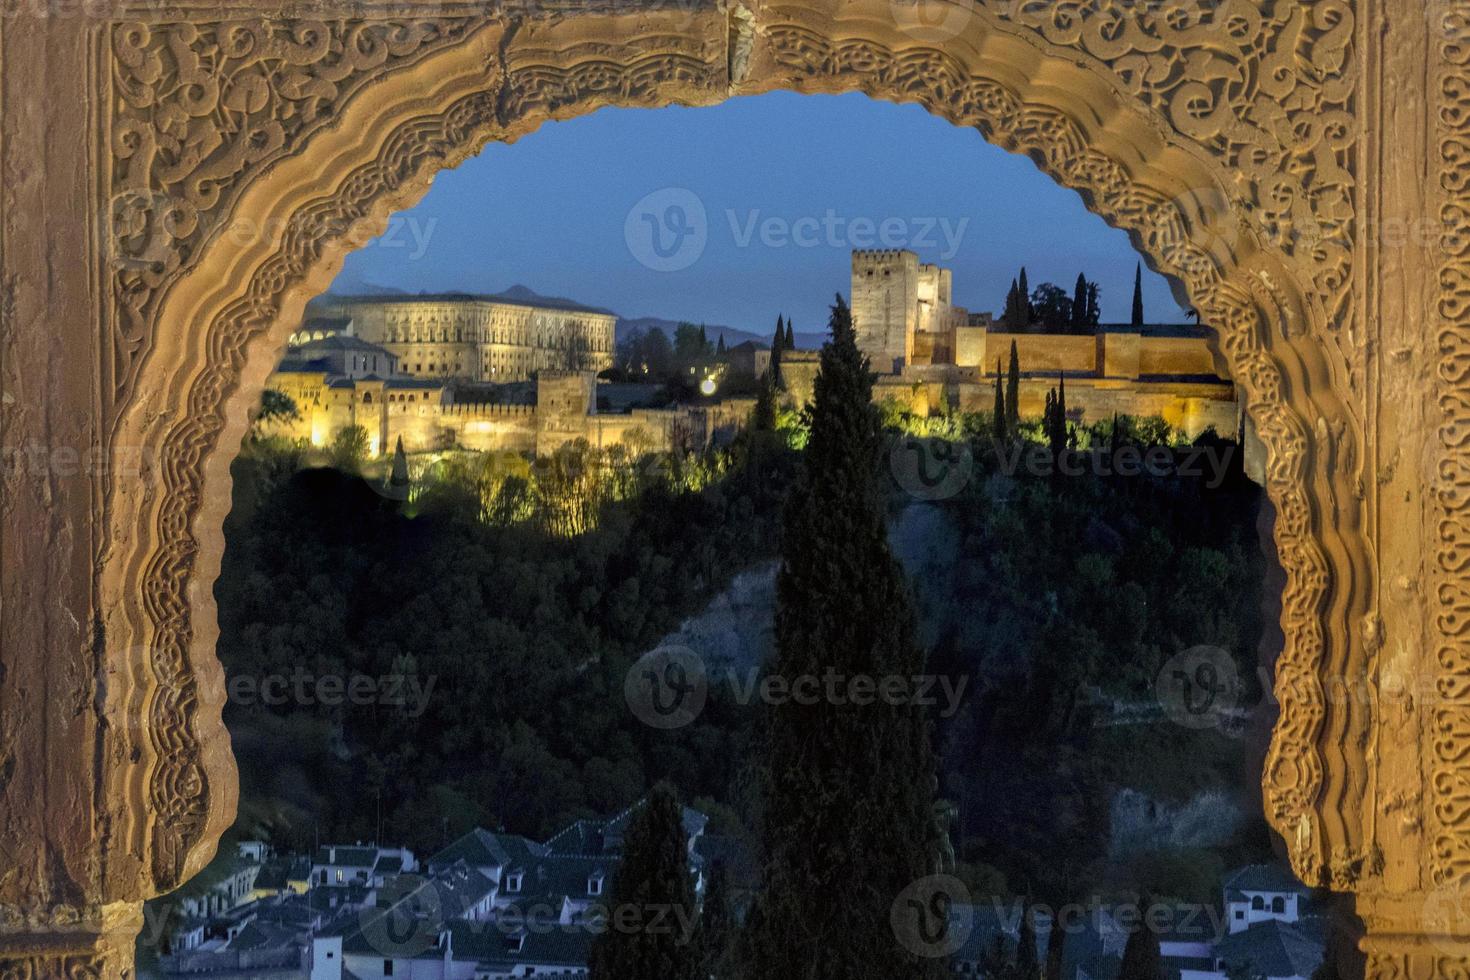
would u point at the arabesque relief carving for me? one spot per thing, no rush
(1226, 136)
(1175, 70)
(198, 107)
(1266, 88)
(1450, 780)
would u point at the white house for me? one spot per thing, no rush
(1270, 929)
(336, 865)
(1262, 893)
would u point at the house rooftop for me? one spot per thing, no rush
(355, 855)
(336, 342)
(481, 848)
(1274, 949)
(1263, 878)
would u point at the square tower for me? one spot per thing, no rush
(885, 306)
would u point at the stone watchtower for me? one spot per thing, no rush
(885, 305)
(564, 402)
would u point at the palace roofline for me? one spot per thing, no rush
(541, 303)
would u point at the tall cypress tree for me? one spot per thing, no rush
(1028, 966)
(1094, 306)
(1025, 291)
(398, 484)
(1011, 316)
(1142, 959)
(1056, 947)
(847, 788)
(1049, 419)
(763, 416)
(790, 342)
(653, 875)
(1061, 409)
(720, 346)
(778, 344)
(1138, 295)
(1013, 392)
(1079, 304)
(998, 423)
(717, 926)
(1054, 420)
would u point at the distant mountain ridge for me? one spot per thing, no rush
(626, 326)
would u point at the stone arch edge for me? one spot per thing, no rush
(239, 338)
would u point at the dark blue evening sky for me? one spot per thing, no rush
(552, 212)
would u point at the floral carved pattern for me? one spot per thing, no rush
(68, 967)
(1449, 784)
(1267, 88)
(201, 110)
(198, 109)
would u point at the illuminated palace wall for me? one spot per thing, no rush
(427, 419)
(930, 353)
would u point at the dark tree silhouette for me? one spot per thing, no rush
(653, 875)
(847, 788)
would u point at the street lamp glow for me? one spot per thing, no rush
(707, 386)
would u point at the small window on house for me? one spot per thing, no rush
(387, 968)
(1258, 904)
(1278, 904)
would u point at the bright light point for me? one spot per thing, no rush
(707, 386)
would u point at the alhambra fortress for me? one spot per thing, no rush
(929, 352)
(419, 368)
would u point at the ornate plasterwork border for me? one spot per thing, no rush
(1182, 234)
(1449, 779)
(1267, 89)
(199, 109)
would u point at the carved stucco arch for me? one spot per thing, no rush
(1226, 143)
